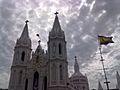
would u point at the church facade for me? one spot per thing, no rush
(39, 70)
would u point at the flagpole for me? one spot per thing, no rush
(102, 60)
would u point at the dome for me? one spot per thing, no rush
(77, 74)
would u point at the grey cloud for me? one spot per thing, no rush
(118, 57)
(111, 6)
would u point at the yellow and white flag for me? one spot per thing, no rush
(105, 40)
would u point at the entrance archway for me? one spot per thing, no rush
(35, 81)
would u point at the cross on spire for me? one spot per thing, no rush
(25, 34)
(26, 21)
(75, 57)
(39, 42)
(39, 38)
(56, 13)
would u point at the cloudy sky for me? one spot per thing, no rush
(82, 21)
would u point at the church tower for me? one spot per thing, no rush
(57, 58)
(22, 53)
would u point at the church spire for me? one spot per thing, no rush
(76, 69)
(56, 24)
(39, 49)
(100, 86)
(24, 38)
(76, 65)
(56, 29)
(25, 33)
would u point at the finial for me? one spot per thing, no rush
(39, 42)
(26, 21)
(39, 38)
(75, 58)
(56, 13)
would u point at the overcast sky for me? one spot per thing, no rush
(82, 21)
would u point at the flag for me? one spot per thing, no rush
(105, 40)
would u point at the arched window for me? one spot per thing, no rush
(61, 72)
(35, 81)
(26, 84)
(23, 56)
(54, 48)
(20, 77)
(60, 49)
(53, 68)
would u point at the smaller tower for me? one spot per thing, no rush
(37, 62)
(38, 56)
(38, 69)
(79, 81)
(118, 80)
(100, 86)
(39, 50)
(76, 66)
(22, 53)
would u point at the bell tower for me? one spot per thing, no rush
(57, 54)
(22, 53)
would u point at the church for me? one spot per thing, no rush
(40, 70)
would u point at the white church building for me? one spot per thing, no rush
(39, 70)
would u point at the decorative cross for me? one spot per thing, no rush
(56, 13)
(75, 57)
(39, 38)
(39, 42)
(26, 21)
